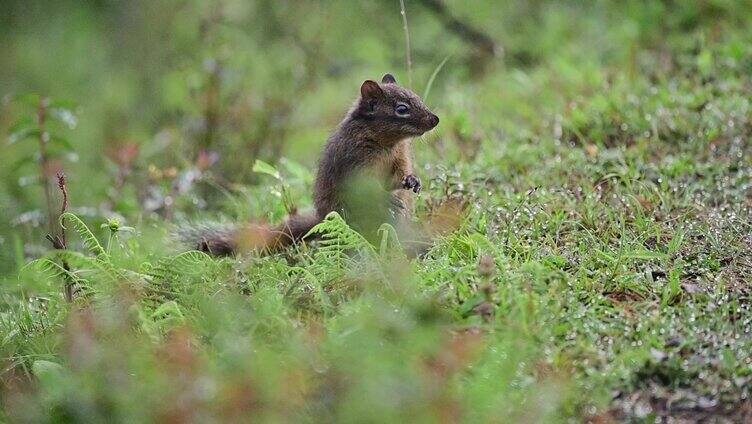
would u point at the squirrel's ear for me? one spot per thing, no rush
(388, 79)
(370, 90)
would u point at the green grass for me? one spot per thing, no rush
(602, 271)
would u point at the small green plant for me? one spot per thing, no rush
(114, 227)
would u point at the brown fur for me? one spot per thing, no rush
(373, 140)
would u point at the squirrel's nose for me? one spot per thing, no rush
(433, 120)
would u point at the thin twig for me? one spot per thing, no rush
(408, 56)
(44, 137)
(463, 29)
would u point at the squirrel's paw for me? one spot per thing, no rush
(411, 182)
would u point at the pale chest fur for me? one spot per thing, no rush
(395, 164)
(392, 168)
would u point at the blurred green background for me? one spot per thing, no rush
(156, 82)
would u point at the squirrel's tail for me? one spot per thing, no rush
(223, 240)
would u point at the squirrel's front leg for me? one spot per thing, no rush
(402, 169)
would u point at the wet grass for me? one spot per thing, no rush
(625, 222)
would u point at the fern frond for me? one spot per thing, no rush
(337, 235)
(186, 263)
(103, 271)
(90, 241)
(163, 276)
(43, 267)
(52, 271)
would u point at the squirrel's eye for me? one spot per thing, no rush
(402, 109)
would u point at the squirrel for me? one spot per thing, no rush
(371, 145)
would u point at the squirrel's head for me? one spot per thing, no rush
(395, 112)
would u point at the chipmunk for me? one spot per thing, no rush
(371, 145)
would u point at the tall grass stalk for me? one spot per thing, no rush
(435, 72)
(408, 55)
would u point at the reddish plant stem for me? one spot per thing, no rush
(60, 242)
(64, 189)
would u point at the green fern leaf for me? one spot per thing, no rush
(90, 241)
